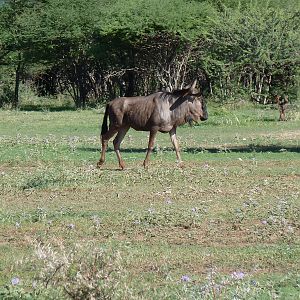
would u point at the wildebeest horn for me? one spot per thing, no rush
(194, 84)
(191, 85)
(197, 94)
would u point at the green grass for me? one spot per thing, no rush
(234, 207)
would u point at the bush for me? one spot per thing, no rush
(6, 96)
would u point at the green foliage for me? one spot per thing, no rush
(255, 47)
(239, 49)
(137, 18)
(14, 293)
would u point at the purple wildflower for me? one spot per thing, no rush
(185, 278)
(194, 209)
(15, 281)
(238, 275)
(264, 222)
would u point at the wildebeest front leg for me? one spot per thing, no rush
(150, 147)
(117, 142)
(104, 140)
(175, 144)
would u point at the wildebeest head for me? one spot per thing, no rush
(196, 102)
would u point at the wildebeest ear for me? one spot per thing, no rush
(181, 93)
(181, 97)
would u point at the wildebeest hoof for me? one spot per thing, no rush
(99, 164)
(180, 164)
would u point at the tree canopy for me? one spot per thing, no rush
(98, 49)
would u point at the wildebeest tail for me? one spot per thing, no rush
(104, 127)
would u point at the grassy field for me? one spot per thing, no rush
(225, 226)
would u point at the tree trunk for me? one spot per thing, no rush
(131, 81)
(15, 103)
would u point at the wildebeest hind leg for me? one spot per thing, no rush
(104, 140)
(117, 142)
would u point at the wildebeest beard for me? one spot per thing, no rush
(190, 120)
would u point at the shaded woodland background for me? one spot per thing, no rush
(94, 50)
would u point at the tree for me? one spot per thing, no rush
(95, 50)
(13, 46)
(256, 48)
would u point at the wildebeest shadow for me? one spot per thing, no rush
(236, 149)
(247, 149)
(109, 149)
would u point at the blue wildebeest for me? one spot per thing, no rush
(161, 111)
